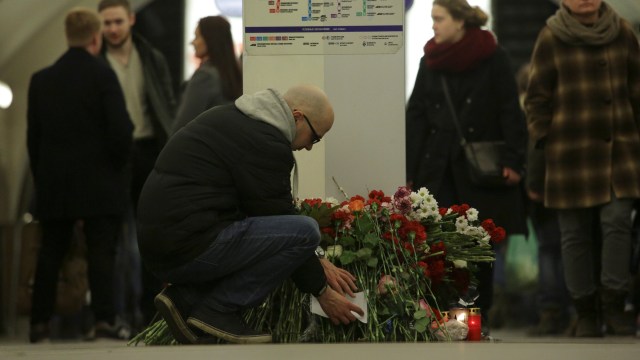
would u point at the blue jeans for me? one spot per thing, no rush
(248, 260)
(128, 279)
(578, 246)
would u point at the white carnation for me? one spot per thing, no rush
(460, 264)
(472, 214)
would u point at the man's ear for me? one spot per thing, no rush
(132, 18)
(96, 44)
(296, 114)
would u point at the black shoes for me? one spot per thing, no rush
(615, 319)
(104, 330)
(230, 327)
(172, 307)
(39, 333)
(553, 321)
(226, 326)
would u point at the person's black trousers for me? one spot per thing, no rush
(57, 237)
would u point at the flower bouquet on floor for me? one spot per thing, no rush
(411, 259)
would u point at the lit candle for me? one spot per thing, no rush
(459, 314)
(445, 316)
(475, 325)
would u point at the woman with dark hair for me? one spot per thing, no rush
(218, 79)
(466, 60)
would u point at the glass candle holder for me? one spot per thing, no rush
(474, 322)
(459, 314)
(445, 316)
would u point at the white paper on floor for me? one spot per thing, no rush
(359, 300)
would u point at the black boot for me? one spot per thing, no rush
(587, 324)
(617, 322)
(553, 321)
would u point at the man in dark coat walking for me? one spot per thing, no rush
(79, 139)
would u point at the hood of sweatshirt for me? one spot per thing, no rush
(270, 107)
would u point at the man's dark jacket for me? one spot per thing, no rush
(78, 138)
(222, 167)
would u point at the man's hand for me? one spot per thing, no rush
(338, 279)
(534, 196)
(511, 177)
(337, 307)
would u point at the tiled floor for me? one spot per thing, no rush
(506, 344)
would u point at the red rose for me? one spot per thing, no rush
(356, 205)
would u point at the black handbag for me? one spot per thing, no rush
(483, 157)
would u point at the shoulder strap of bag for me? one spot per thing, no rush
(454, 115)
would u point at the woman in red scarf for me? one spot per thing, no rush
(485, 99)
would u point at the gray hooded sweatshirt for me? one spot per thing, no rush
(270, 107)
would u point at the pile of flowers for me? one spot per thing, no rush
(411, 258)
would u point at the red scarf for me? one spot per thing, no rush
(475, 46)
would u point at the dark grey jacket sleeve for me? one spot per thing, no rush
(203, 91)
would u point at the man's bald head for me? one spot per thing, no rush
(314, 103)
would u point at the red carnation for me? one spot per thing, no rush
(419, 233)
(341, 217)
(437, 271)
(371, 203)
(488, 225)
(397, 220)
(425, 268)
(498, 234)
(438, 247)
(313, 202)
(329, 231)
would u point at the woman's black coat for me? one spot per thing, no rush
(486, 101)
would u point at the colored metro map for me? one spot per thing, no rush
(323, 27)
